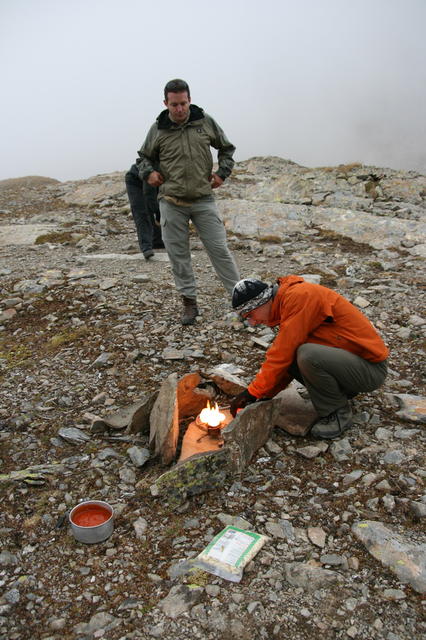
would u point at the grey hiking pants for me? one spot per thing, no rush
(204, 215)
(333, 375)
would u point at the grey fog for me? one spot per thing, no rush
(318, 82)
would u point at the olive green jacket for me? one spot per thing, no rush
(181, 153)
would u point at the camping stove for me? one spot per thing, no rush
(204, 433)
(211, 421)
(213, 431)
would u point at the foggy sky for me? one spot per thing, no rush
(319, 82)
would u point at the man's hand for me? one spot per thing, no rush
(215, 181)
(155, 179)
(240, 401)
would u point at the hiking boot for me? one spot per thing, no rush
(333, 425)
(148, 254)
(190, 310)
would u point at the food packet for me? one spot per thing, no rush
(229, 552)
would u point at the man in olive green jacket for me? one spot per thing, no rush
(176, 157)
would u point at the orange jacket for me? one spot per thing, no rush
(309, 312)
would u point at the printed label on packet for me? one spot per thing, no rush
(232, 545)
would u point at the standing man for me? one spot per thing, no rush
(323, 341)
(176, 157)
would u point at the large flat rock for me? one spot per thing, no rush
(23, 234)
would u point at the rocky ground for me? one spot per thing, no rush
(87, 327)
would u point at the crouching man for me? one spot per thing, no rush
(324, 342)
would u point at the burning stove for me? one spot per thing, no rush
(210, 422)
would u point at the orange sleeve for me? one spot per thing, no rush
(301, 313)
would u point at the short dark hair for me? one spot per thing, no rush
(176, 86)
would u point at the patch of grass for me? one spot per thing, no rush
(66, 337)
(270, 239)
(15, 357)
(56, 237)
(375, 265)
(342, 168)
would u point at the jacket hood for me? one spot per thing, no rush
(287, 281)
(164, 122)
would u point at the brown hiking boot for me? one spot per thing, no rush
(190, 310)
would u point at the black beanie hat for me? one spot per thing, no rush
(248, 294)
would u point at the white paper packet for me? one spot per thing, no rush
(229, 552)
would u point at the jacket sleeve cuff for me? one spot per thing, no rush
(222, 174)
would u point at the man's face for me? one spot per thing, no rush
(260, 315)
(178, 106)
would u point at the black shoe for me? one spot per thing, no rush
(190, 310)
(333, 425)
(148, 254)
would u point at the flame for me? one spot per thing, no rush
(211, 415)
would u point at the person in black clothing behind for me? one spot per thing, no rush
(145, 211)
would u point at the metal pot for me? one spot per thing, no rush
(96, 533)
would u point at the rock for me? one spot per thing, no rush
(412, 407)
(406, 560)
(295, 414)
(73, 435)
(383, 434)
(133, 417)
(234, 521)
(108, 283)
(273, 251)
(361, 302)
(102, 620)
(383, 486)
(227, 381)
(352, 477)
(7, 558)
(106, 453)
(394, 594)
(140, 526)
(317, 536)
(396, 456)
(138, 455)
(332, 559)
(12, 596)
(180, 599)
(200, 473)
(341, 450)
(7, 315)
(309, 452)
(164, 425)
(418, 509)
(85, 193)
(281, 529)
(172, 354)
(248, 432)
(369, 479)
(127, 475)
(273, 448)
(102, 360)
(191, 400)
(299, 574)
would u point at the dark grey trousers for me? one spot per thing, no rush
(333, 375)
